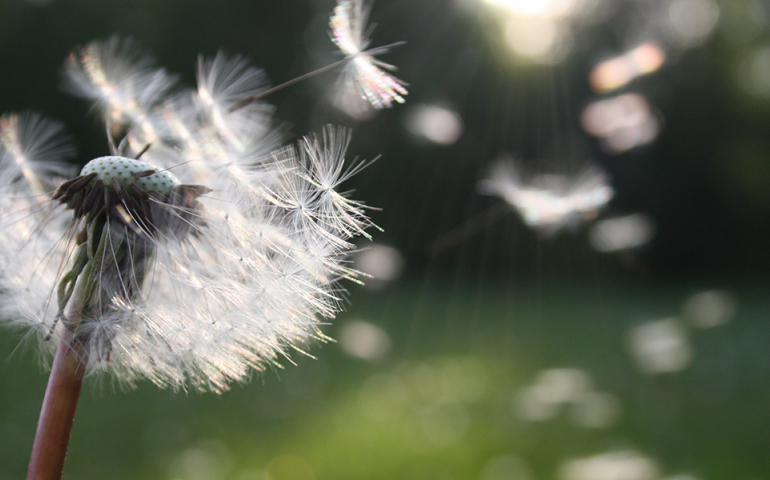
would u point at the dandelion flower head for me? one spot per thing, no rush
(199, 251)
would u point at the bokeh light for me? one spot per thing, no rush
(567, 390)
(662, 346)
(622, 122)
(741, 21)
(564, 384)
(206, 460)
(595, 410)
(692, 21)
(364, 340)
(434, 123)
(622, 233)
(753, 72)
(506, 467)
(619, 71)
(535, 404)
(620, 465)
(289, 467)
(382, 263)
(710, 308)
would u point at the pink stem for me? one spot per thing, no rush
(58, 411)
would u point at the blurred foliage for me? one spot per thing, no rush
(443, 404)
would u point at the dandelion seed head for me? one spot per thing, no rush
(216, 255)
(117, 76)
(31, 151)
(222, 82)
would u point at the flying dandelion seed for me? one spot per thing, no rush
(550, 203)
(350, 33)
(366, 86)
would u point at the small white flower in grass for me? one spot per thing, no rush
(351, 35)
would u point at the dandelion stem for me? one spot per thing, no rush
(61, 395)
(58, 412)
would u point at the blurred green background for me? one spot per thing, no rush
(482, 349)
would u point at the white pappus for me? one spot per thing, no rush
(203, 260)
(548, 203)
(350, 33)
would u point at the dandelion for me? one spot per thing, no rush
(122, 82)
(350, 33)
(361, 72)
(31, 150)
(549, 203)
(192, 267)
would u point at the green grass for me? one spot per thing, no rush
(442, 404)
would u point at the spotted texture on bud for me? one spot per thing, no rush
(123, 208)
(129, 172)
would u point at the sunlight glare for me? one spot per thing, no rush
(539, 38)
